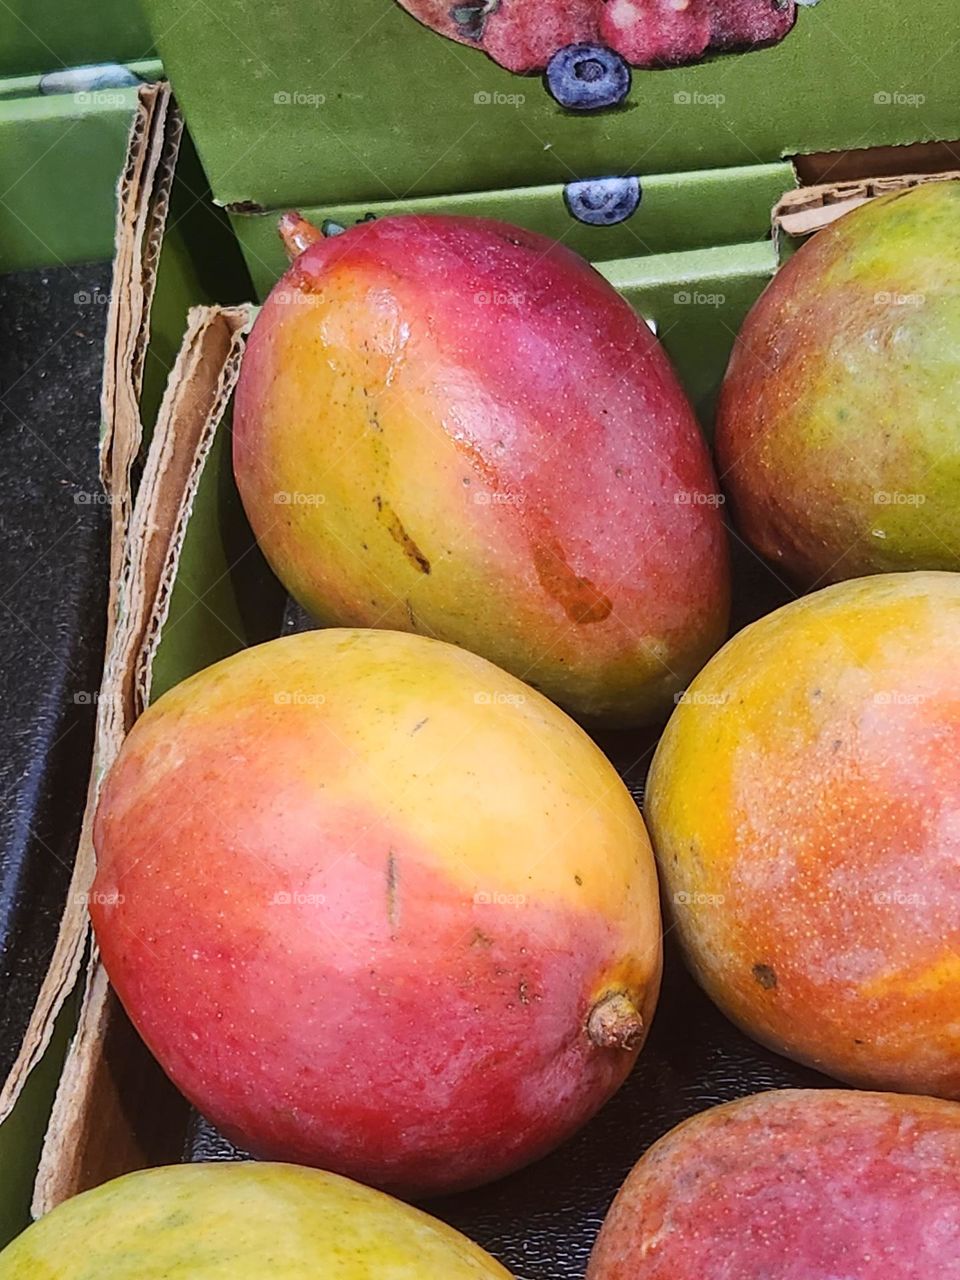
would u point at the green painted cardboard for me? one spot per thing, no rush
(323, 102)
(200, 264)
(225, 596)
(61, 153)
(670, 216)
(47, 35)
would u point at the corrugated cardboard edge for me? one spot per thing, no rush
(142, 209)
(142, 203)
(808, 209)
(215, 337)
(88, 1139)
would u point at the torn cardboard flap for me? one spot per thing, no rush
(90, 1138)
(142, 203)
(198, 394)
(196, 390)
(142, 207)
(808, 209)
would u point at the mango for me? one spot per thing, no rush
(456, 427)
(804, 804)
(240, 1222)
(379, 907)
(797, 1184)
(838, 429)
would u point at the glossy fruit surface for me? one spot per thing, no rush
(378, 907)
(454, 426)
(838, 430)
(797, 1185)
(240, 1222)
(804, 804)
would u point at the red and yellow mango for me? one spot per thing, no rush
(795, 1184)
(838, 430)
(804, 805)
(454, 426)
(243, 1221)
(378, 907)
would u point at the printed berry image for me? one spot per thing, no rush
(587, 47)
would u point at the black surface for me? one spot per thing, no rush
(541, 1223)
(54, 546)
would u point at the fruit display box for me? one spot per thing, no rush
(62, 149)
(68, 77)
(38, 36)
(68, 81)
(331, 105)
(726, 195)
(346, 113)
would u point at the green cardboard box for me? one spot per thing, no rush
(63, 130)
(46, 35)
(61, 155)
(345, 111)
(296, 103)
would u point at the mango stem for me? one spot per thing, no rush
(297, 233)
(615, 1022)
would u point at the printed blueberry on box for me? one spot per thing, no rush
(586, 47)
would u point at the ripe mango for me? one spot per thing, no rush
(241, 1222)
(804, 804)
(838, 429)
(378, 907)
(797, 1184)
(457, 427)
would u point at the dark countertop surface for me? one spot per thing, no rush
(54, 548)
